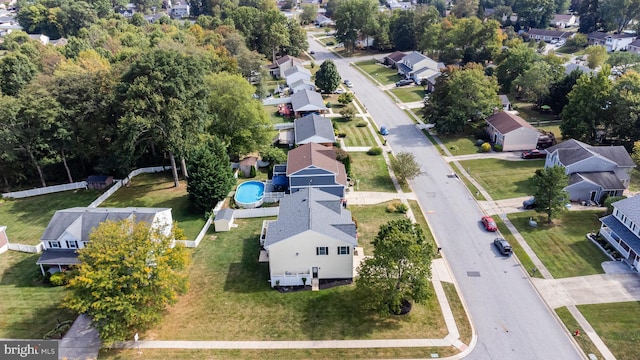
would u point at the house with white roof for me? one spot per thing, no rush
(295, 73)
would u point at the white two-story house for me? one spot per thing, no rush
(612, 42)
(622, 229)
(416, 66)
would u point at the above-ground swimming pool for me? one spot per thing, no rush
(249, 194)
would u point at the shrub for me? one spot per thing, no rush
(391, 208)
(486, 147)
(329, 43)
(252, 172)
(329, 106)
(59, 331)
(402, 208)
(362, 124)
(479, 142)
(497, 147)
(374, 151)
(342, 135)
(57, 279)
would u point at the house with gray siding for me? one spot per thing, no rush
(315, 166)
(622, 229)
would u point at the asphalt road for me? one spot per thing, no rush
(510, 318)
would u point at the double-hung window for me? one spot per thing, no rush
(322, 250)
(343, 250)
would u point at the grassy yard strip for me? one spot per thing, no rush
(460, 145)
(433, 141)
(27, 218)
(617, 325)
(472, 188)
(369, 218)
(563, 247)
(412, 115)
(230, 299)
(503, 179)
(365, 353)
(572, 325)
(522, 255)
(327, 40)
(383, 74)
(403, 185)
(356, 135)
(29, 309)
(459, 314)
(409, 94)
(156, 190)
(370, 172)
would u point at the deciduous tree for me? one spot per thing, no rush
(551, 197)
(327, 77)
(128, 274)
(596, 56)
(405, 167)
(16, 71)
(399, 270)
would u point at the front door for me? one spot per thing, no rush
(593, 196)
(314, 272)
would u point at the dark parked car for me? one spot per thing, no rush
(503, 246)
(489, 223)
(534, 154)
(404, 82)
(529, 203)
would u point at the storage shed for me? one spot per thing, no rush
(247, 163)
(223, 220)
(97, 182)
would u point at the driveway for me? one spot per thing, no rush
(510, 318)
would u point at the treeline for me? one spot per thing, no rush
(127, 93)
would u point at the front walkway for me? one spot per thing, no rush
(81, 342)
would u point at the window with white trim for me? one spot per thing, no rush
(343, 250)
(322, 250)
(54, 244)
(72, 244)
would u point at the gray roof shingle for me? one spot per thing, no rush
(506, 122)
(313, 126)
(605, 179)
(630, 207)
(307, 100)
(58, 257)
(572, 151)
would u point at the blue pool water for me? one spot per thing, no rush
(250, 193)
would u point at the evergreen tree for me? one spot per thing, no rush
(210, 175)
(327, 78)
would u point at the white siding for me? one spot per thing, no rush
(520, 139)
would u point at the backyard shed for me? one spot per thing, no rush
(223, 220)
(97, 182)
(247, 163)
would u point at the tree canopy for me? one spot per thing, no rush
(551, 197)
(405, 166)
(128, 274)
(327, 77)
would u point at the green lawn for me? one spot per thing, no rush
(274, 116)
(230, 299)
(370, 172)
(356, 135)
(409, 94)
(617, 325)
(522, 255)
(572, 325)
(27, 218)
(328, 39)
(503, 179)
(29, 309)
(369, 218)
(413, 114)
(460, 315)
(379, 72)
(472, 188)
(634, 184)
(528, 112)
(563, 247)
(460, 145)
(156, 190)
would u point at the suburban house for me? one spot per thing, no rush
(315, 166)
(43, 39)
(179, 11)
(622, 229)
(548, 35)
(314, 129)
(416, 66)
(613, 42)
(564, 20)
(393, 58)
(570, 67)
(302, 84)
(306, 102)
(594, 171)
(506, 104)
(313, 239)
(69, 230)
(634, 46)
(283, 64)
(511, 132)
(295, 73)
(323, 21)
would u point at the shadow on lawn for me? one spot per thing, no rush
(248, 275)
(23, 273)
(39, 321)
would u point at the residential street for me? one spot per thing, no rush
(510, 318)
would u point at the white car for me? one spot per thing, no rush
(339, 91)
(348, 83)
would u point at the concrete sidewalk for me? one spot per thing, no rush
(81, 342)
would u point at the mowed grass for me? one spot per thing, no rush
(529, 112)
(370, 172)
(504, 179)
(572, 325)
(369, 218)
(617, 325)
(328, 39)
(27, 218)
(383, 74)
(460, 145)
(230, 299)
(522, 255)
(356, 135)
(157, 190)
(563, 247)
(409, 94)
(274, 116)
(422, 221)
(459, 314)
(368, 353)
(29, 309)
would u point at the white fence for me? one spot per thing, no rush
(255, 213)
(27, 248)
(290, 279)
(283, 126)
(118, 184)
(46, 190)
(196, 242)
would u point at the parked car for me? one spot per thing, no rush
(530, 203)
(404, 82)
(348, 83)
(384, 131)
(312, 52)
(503, 246)
(489, 223)
(339, 91)
(534, 154)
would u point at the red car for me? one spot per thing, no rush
(534, 154)
(489, 224)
